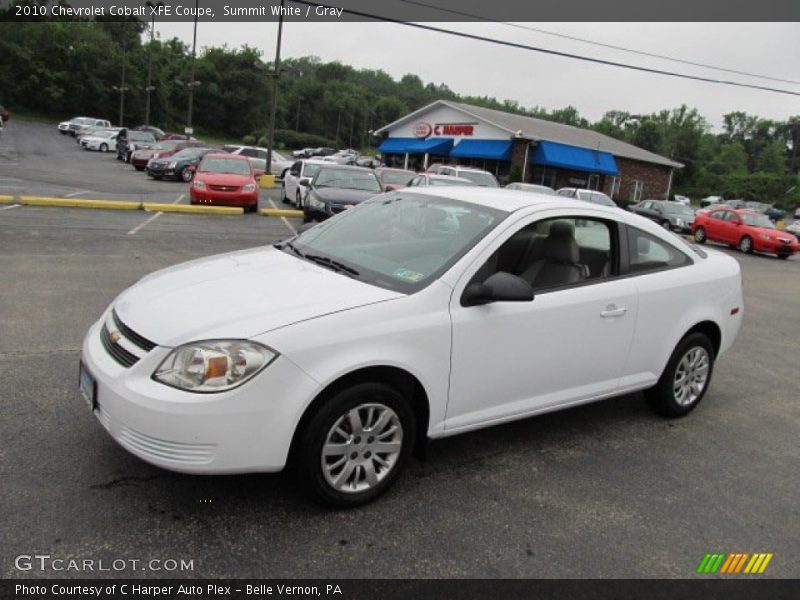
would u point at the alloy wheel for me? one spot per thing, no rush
(691, 376)
(361, 448)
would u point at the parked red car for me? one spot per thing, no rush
(747, 230)
(163, 149)
(225, 179)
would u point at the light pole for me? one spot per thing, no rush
(275, 76)
(149, 87)
(121, 88)
(192, 84)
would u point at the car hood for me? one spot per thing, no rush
(238, 295)
(342, 195)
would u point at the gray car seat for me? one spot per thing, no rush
(559, 263)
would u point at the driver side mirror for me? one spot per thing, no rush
(305, 181)
(500, 287)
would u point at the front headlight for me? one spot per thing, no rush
(172, 164)
(213, 366)
(250, 187)
(199, 184)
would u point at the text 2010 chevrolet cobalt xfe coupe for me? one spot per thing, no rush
(419, 314)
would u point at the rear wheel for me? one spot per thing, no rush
(685, 379)
(186, 174)
(700, 235)
(103, 147)
(746, 244)
(355, 445)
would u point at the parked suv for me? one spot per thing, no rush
(71, 127)
(586, 195)
(477, 176)
(129, 140)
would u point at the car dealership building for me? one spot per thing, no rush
(542, 151)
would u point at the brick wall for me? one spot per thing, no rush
(654, 178)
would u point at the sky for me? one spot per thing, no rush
(536, 79)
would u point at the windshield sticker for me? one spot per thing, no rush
(408, 275)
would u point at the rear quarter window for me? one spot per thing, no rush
(647, 253)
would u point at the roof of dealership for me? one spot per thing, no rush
(562, 138)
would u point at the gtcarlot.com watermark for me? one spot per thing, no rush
(47, 562)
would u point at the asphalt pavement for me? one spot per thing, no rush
(604, 490)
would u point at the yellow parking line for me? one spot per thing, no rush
(6, 199)
(280, 212)
(79, 203)
(193, 208)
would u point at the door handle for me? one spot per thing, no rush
(612, 311)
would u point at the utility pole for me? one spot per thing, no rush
(275, 76)
(149, 87)
(189, 130)
(121, 87)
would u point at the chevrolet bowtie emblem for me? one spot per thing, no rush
(114, 336)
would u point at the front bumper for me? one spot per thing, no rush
(776, 247)
(163, 172)
(247, 429)
(216, 197)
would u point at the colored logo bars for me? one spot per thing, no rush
(734, 563)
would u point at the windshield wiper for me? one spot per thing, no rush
(332, 264)
(292, 247)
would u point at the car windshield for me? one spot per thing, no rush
(597, 198)
(310, 170)
(141, 136)
(219, 164)
(449, 181)
(164, 146)
(757, 220)
(678, 209)
(277, 156)
(759, 206)
(398, 241)
(347, 179)
(395, 177)
(479, 178)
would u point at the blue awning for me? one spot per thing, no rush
(489, 149)
(398, 145)
(564, 156)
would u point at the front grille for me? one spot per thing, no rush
(117, 352)
(223, 188)
(137, 339)
(127, 347)
(161, 449)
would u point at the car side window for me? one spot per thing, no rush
(554, 253)
(648, 253)
(730, 216)
(717, 214)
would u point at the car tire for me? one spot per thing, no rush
(186, 175)
(352, 471)
(284, 197)
(685, 379)
(103, 147)
(666, 225)
(700, 235)
(746, 244)
(783, 256)
(138, 168)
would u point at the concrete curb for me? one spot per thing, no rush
(193, 209)
(6, 199)
(280, 212)
(79, 203)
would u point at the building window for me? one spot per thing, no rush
(544, 176)
(636, 190)
(594, 182)
(616, 185)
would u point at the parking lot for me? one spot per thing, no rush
(604, 490)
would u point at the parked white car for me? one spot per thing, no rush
(292, 191)
(418, 314)
(103, 142)
(258, 158)
(476, 176)
(71, 127)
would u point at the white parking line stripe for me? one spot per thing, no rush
(10, 206)
(285, 221)
(140, 225)
(179, 198)
(78, 193)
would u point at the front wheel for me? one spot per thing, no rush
(700, 235)
(356, 444)
(186, 174)
(746, 245)
(103, 147)
(138, 168)
(783, 256)
(666, 225)
(685, 379)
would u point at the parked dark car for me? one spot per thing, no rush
(336, 188)
(177, 165)
(162, 149)
(775, 214)
(670, 215)
(130, 140)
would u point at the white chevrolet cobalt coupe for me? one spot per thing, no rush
(419, 314)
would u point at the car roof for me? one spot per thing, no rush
(453, 178)
(338, 167)
(227, 155)
(508, 200)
